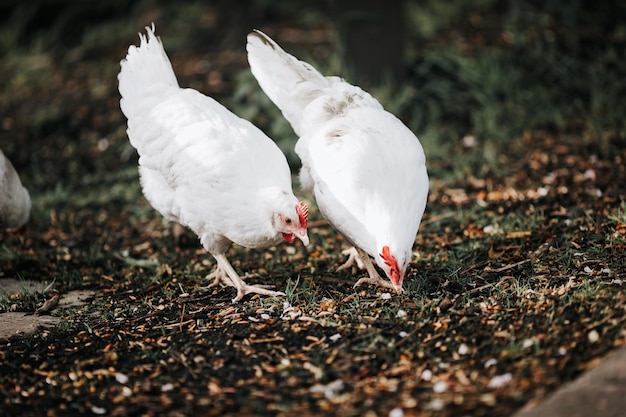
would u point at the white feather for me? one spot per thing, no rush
(291, 84)
(200, 164)
(15, 204)
(366, 169)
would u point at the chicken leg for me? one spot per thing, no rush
(353, 256)
(363, 260)
(226, 274)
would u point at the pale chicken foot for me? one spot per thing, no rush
(219, 275)
(226, 274)
(374, 277)
(353, 256)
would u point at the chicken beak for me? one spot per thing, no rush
(397, 288)
(303, 236)
(396, 279)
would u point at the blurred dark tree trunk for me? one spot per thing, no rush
(62, 22)
(372, 37)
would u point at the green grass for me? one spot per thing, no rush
(620, 214)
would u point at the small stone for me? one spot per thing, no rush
(440, 387)
(121, 378)
(491, 362)
(335, 337)
(499, 381)
(435, 405)
(396, 412)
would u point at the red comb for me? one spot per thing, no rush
(392, 263)
(388, 258)
(303, 213)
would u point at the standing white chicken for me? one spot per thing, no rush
(365, 168)
(15, 201)
(203, 166)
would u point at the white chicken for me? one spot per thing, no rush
(15, 204)
(204, 167)
(365, 168)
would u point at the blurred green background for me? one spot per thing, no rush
(476, 81)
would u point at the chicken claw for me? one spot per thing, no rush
(353, 256)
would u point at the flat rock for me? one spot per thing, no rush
(600, 391)
(20, 324)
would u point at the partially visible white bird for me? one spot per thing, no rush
(365, 168)
(15, 201)
(204, 167)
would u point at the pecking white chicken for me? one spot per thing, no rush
(15, 201)
(365, 168)
(204, 167)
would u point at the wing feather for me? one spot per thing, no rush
(356, 178)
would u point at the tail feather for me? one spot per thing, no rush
(290, 83)
(145, 72)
